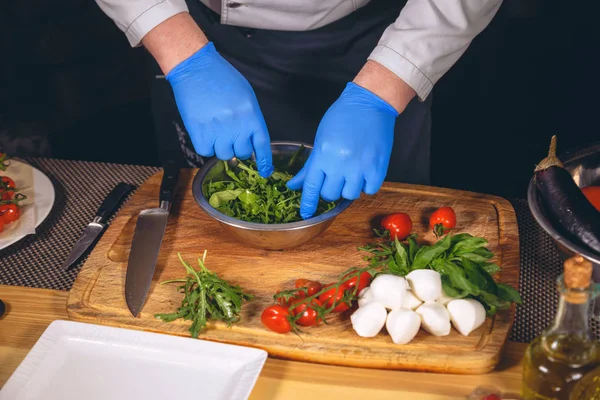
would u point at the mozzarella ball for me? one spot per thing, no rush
(426, 284)
(368, 320)
(365, 296)
(403, 325)
(444, 299)
(410, 301)
(434, 318)
(389, 290)
(466, 315)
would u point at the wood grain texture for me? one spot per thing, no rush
(98, 293)
(32, 310)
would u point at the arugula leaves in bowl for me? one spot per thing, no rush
(245, 195)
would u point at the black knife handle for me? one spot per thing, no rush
(169, 181)
(112, 201)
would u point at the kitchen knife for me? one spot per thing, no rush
(147, 238)
(95, 228)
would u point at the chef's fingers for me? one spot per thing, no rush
(297, 181)
(243, 147)
(374, 180)
(262, 150)
(311, 192)
(353, 186)
(224, 149)
(332, 187)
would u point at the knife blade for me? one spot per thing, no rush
(147, 239)
(94, 229)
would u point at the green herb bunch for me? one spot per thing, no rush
(247, 196)
(462, 260)
(206, 296)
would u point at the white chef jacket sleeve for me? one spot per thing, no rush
(137, 17)
(429, 36)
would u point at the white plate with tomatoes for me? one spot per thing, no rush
(21, 218)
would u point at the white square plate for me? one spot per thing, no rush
(74, 360)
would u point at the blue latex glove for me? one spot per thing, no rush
(220, 110)
(351, 152)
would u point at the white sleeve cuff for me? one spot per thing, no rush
(151, 17)
(402, 67)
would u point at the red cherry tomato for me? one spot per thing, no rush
(334, 296)
(442, 219)
(275, 318)
(7, 183)
(309, 316)
(1, 225)
(9, 213)
(312, 286)
(592, 193)
(399, 225)
(363, 281)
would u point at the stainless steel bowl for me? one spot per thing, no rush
(265, 236)
(584, 166)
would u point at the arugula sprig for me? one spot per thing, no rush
(247, 196)
(206, 297)
(462, 260)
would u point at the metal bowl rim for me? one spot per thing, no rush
(255, 226)
(543, 221)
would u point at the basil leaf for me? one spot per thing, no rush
(468, 245)
(460, 237)
(509, 293)
(493, 302)
(396, 269)
(456, 275)
(491, 268)
(478, 276)
(478, 255)
(220, 198)
(426, 254)
(450, 291)
(413, 247)
(401, 257)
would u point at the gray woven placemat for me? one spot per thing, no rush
(81, 187)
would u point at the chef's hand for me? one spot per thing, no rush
(220, 110)
(351, 152)
(354, 140)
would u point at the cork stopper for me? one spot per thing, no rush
(577, 278)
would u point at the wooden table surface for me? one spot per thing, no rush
(30, 311)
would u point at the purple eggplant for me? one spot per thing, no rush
(565, 204)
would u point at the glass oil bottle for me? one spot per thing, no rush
(561, 356)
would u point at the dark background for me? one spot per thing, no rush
(71, 87)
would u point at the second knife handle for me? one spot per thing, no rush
(169, 181)
(111, 202)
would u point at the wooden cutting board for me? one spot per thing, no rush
(98, 293)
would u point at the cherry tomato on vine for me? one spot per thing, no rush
(442, 219)
(399, 224)
(364, 278)
(286, 302)
(275, 318)
(7, 183)
(308, 315)
(9, 213)
(312, 286)
(592, 193)
(334, 295)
